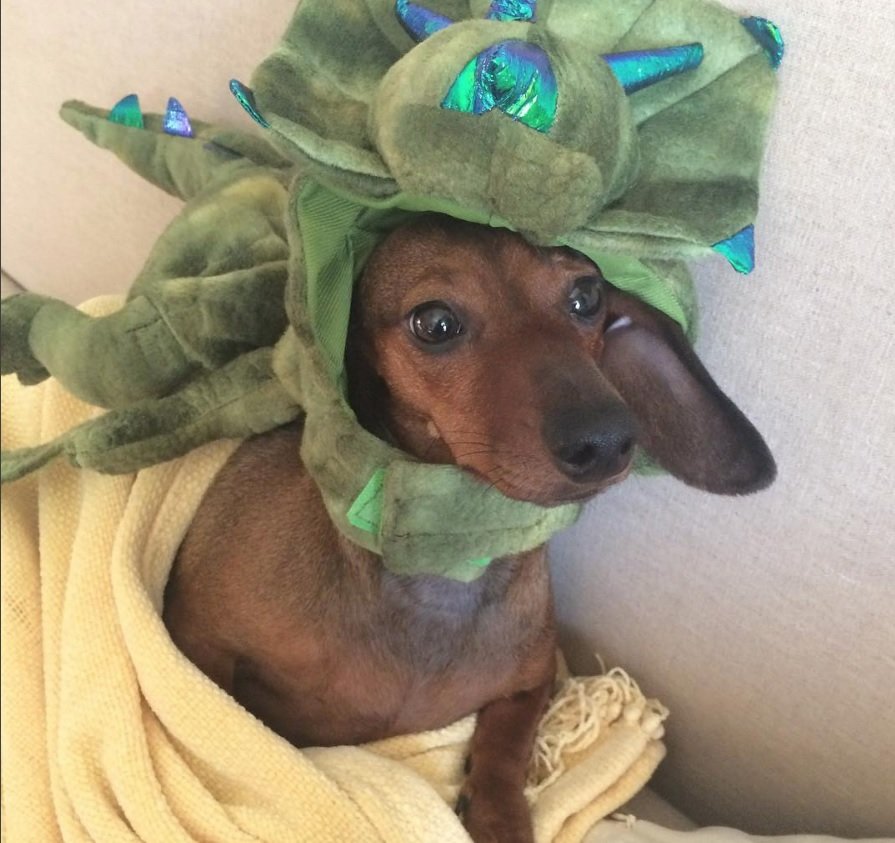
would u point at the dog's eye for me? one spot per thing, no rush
(434, 322)
(586, 298)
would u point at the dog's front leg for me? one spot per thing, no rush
(492, 803)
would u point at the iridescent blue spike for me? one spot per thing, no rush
(739, 250)
(247, 100)
(768, 35)
(639, 69)
(419, 22)
(176, 120)
(127, 112)
(512, 76)
(523, 10)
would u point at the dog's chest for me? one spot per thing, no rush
(419, 656)
(450, 648)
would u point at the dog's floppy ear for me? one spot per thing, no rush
(687, 424)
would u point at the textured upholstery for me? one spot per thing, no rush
(766, 624)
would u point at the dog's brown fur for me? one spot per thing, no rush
(313, 635)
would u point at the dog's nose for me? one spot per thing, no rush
(591, 444)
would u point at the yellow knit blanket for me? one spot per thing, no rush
(110, 734)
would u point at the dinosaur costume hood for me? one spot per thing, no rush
(631, 132)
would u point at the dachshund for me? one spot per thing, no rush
(523, 365)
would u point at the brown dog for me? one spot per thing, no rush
(467, 346)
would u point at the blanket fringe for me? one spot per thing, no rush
(580, 713)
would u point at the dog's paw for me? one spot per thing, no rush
(494, 811)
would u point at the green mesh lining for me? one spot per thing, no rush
(339, 233)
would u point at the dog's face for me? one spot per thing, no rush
(526, 367)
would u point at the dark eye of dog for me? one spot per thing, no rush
(434, 322)
(586, 298)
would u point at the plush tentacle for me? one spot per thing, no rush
(16, 356)
(181, 166)
(153, 344)
(240, 399)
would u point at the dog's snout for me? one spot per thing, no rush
(591, 444)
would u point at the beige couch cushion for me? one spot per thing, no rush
(611, 831)
(767, 624)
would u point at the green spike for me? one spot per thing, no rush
(127, 112)
(769, 37)
(246, 99)
(739, 250)
(638, 69)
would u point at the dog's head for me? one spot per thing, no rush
(525, 366)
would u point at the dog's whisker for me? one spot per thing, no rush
(485, 447)
(495, 477)
(459, 457)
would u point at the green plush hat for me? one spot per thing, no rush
(631, 132)
(539, 116)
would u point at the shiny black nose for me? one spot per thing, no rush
(590, 444)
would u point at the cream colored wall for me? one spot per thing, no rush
(75, 221)
(767, 624)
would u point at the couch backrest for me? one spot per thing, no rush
(767, 624)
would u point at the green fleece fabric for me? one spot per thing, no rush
(237, 323)
(667, 172)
